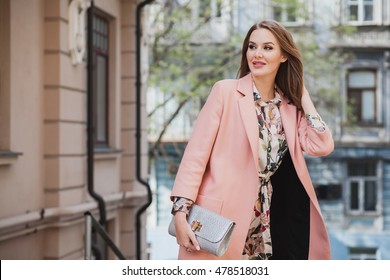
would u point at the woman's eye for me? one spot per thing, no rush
(268, 48)
(252, 47)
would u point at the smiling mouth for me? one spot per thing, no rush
(258, 64)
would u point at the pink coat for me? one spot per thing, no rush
(219, 167)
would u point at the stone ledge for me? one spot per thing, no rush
(107, 153)
(55, 216)
(8, 157)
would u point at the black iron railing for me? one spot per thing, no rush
(92, 225)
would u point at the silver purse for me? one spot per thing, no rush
(212, 230)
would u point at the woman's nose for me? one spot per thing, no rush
(258, 53)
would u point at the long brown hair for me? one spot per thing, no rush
(289, 77)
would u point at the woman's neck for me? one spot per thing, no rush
(266, 87)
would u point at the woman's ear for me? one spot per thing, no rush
(284, 59)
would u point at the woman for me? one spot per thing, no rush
(245, 157)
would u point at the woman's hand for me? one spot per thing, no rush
(185, 237)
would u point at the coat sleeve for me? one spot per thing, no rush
(199, 147)
(313, 141)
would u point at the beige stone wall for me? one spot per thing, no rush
(21, 183)
(43, 168)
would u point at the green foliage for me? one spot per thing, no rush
(182, 49)
(185, 59)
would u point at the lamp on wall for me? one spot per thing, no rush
(77, 36)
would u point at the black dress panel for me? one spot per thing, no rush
(290, 214)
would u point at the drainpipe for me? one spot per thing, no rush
(90, 129)
(143, 208)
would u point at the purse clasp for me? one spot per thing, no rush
(196, 226)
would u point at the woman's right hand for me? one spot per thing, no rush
(185, 237)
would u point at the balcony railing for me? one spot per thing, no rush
(364, 39)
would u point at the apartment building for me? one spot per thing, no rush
(52, 104)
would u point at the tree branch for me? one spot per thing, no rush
(166, 125)
(162, 104)
(215, 73)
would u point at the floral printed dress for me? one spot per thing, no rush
(272, 148)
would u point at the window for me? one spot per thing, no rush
(360, 10)
(328, 192)
(357, 253)
(100, 54)
(361, 96)
(210, 8)
(291, 12)
(205, 8)
(286, 12)
(218, 12)
(363, 187)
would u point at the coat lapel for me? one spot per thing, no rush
(248, 114)
(288, 114)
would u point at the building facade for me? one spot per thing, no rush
(43, 127)
(353, 182)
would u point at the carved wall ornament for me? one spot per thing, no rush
(77, 32)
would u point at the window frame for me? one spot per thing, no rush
(329, 192)
(204, 9)
(362, 253)
(299, 20)
(350, 91)
(7, 155)
(106, 54)
(376, 13)
(214, 12)
(361, 180)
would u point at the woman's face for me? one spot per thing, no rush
(264, 54)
